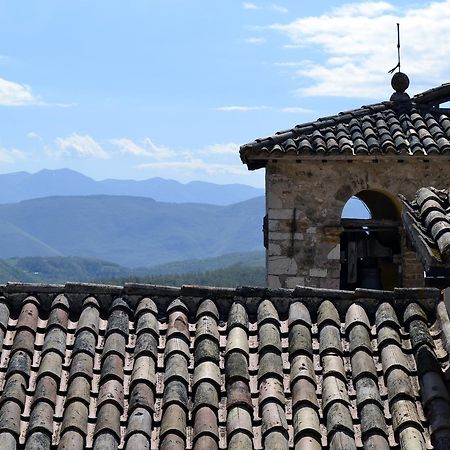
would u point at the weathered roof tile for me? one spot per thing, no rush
(251, 377)
(427, 223)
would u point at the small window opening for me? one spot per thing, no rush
(370, 242)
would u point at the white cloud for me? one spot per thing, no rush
(289, 64)
(9, 156)
(16, 94)
(222, 149)
(34, 135)
(273, 7)
(248, 5)
(368, 9)
(240, 108)
(359, 44)
(279, 8)
(147, 149)
(80, 146)
(128, 146)
(196, 165)
(254, 40)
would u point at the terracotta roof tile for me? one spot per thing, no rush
(206, 368)
(416, 126)
(427, 221)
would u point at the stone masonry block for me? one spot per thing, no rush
(273, 281)
(285, 214)
(274, 249)
(292, 282)
(273, 201)
(281, 265)
(318, 273)
(335, 253)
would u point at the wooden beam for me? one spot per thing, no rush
(370, 223)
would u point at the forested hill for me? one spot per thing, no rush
(131, 231)
(236, 269)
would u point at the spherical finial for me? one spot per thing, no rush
(400, 82)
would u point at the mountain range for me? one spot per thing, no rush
(131, 231)
(18, 186)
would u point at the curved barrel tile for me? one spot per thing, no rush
(335, 399)
(176, 379)
(12, 401)
(397, 372)
(76, 408)
(239, 403)
(270, 379)
(434, 393)
(206, 383)
(374, 429)
(142, 388)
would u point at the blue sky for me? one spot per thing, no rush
(171, 88)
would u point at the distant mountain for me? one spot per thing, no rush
(131, 231)
(18, 186)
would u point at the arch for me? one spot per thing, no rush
(381, 204)
(371, 246)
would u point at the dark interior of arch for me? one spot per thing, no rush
(371, 249)
(379, 204)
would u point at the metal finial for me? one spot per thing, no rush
(398, 50)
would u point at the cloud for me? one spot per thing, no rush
(273, 7)
(214, 159)
(9, 156)
(148, 149)
(279, 8)
(255, 40)
(222, 149)
(34, 135)
(241, 108)
(358, 44)
(196, 165)
(16, 94)
(80, 146)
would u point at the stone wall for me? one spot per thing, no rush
(304, 201)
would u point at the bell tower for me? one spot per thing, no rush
(374, 153)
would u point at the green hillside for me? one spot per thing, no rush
(15, 241)
(248, 259)
(231, 276)
(61, 269)
(221, 271)
(130, 231)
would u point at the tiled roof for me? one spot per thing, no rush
(139, 367)
(427, 221)
(415, 127)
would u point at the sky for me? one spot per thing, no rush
(172, 88)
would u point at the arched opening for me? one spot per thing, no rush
(370, 242)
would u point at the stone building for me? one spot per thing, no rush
(375, 153)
